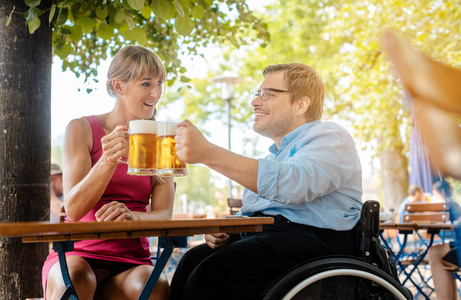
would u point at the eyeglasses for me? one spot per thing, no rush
(265, 93)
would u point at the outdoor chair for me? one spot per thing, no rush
(427, 212)
(412, 258)
(234, 205)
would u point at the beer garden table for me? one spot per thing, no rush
(409, 228)
(171, 233)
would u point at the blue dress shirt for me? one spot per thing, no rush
(314, 178)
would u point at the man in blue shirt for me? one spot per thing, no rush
(310, 184)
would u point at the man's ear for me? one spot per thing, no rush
(119, 86)
(302, 105)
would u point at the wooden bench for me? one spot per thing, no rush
(427, 212)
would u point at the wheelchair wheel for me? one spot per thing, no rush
(338, 279)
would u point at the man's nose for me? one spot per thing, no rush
(256, 101)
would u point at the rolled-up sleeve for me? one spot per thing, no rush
(311, 170)
(269, 171)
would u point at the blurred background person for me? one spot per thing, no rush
(56, 196)
(415, 195)
(441, 190)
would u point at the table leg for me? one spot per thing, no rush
(61, 248)
(167, 243)
(416, 265)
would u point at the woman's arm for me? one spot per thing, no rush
(84, 185)
(162, 199)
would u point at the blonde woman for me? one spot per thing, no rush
(97, 187)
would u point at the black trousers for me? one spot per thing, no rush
(250, 262)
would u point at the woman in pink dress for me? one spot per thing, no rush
(97, 188)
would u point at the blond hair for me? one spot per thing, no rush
(302, 80)
(131, 63)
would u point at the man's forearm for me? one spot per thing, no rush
(240, 169)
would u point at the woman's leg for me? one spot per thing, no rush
(81, 275)
(444, 283)
(130, 283)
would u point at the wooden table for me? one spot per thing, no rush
(172, 233)
(410, 228)
(417, 226)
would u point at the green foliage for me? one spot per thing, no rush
(341, 39)
(84, 30)
(198, 187)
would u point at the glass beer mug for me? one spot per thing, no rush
(142, 149)
(168, 163)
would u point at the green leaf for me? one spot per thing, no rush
(161, 8)
(101, 12)
(185, 79)
(198, 12)
(75, 9)
(105, 31)
(146, 12)
(178, 8)
(136, 4)
(52, 11)
(63, 51)
(32, 14)
(76, 32)
(86, 23)
(129, 20)
(184, 26)
(123, 28)
(119, 16)
(34, 25)
(136, 35)
(9, 18)
(32, 3)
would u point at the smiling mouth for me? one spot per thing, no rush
(149, 104)
(259, 115)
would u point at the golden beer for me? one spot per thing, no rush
(142, 151)
(168, 163)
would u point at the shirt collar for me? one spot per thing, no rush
(291, 136)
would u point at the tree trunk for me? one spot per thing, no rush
(25, 141)
(394, 174)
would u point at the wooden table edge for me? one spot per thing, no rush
(45, 231)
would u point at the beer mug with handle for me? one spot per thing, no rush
(142, 149)
(168, 163)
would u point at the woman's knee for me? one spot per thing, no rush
(161, 290)
(130, 284)
(436, 252)
(136, 282)
(81, 275)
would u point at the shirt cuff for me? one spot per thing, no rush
(268, 172)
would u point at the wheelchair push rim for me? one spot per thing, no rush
(312, 272)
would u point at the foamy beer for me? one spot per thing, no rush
(142, 150)
(168, 163)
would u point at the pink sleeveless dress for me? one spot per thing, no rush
(134, 192)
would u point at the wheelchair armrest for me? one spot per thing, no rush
(369, 228)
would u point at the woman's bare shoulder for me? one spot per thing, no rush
(79, 129)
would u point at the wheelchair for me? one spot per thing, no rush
(370, 275)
